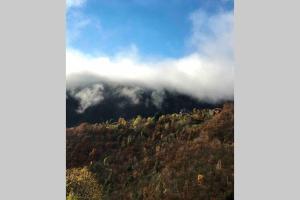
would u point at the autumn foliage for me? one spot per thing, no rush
(174, 156)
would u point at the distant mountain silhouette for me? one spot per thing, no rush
(117, 101)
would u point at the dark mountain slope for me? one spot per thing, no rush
(129, 101)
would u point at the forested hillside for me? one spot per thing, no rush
(186, 155)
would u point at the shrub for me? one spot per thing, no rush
(82, 185)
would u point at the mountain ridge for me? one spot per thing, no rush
(104, 101)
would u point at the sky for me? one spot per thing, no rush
(184, 45)
(158, 28)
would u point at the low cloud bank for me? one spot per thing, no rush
(206, 73)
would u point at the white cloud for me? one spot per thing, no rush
(88, 96)
(75, 3)
(212, 36)
(193, 74)
(206, 73)
(157, 97)
(131, 93)
(76, 23)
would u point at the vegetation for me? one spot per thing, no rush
(174, 156)
(82, 185)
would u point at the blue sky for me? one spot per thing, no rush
(156, 28)
(181, 45)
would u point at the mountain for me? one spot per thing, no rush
(104, 101)
(183, 155)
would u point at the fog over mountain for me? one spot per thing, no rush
(105, 101)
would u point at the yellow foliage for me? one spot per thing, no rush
(200, 179)
(122, 121)
(82, 185)
(137, 122)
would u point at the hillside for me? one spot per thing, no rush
(173, 156)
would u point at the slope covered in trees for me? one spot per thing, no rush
(173, 156)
